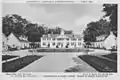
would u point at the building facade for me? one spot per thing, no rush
(17, 41)
(105, 41)
(110, 42)
(62, 41)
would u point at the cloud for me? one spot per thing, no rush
(82, 22)
(69, 17)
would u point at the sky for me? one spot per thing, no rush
(67, 16)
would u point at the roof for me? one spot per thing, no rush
(103, 37)
(71, 36)
(3, 35)
(18, 37)
(50, 36)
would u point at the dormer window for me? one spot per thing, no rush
(60, 38)
(44, 39)
(49, 39)
(53, 39)
(67, 39)
(73, 39)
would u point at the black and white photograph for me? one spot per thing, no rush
(59, 37)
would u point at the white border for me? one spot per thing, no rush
(41, 74)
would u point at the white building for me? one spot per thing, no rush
(111, 41)
(62, 41)
(17, 41)
(105, 41)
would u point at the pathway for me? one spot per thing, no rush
(56, 62)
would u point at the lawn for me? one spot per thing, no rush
(100, 64)
(60, 50)
(6, 57)
(15, 65)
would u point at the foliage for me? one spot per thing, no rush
(20, 26)
(13, 23)
(111, 11)
(95, 29)
(102, 26)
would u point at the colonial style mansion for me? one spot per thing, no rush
(62, 41)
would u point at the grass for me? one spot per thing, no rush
(6, 57)
(99, 64)
(15, 65)
(60, 50)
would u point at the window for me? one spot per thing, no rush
(53, 43)
(79, 43)
(73, 39)
(67, 43)
(53, 39)
(49, 39)
(72, 43)
(44, 43)
(44, 39)
(60, 38)
(67, 39)
(3, 43)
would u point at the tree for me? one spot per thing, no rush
(41, 30)
(102, 26)
(20, 26)
(111, 12)
(30, 28)
(56, 30)
(34, 32)
(91, 31)
(88, 36)
(95, 29)
(13, 23)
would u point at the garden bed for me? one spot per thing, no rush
(6, 57)
(99, 64)
(112, 56)
(15, 65)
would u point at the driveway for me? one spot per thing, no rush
(56, 62)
